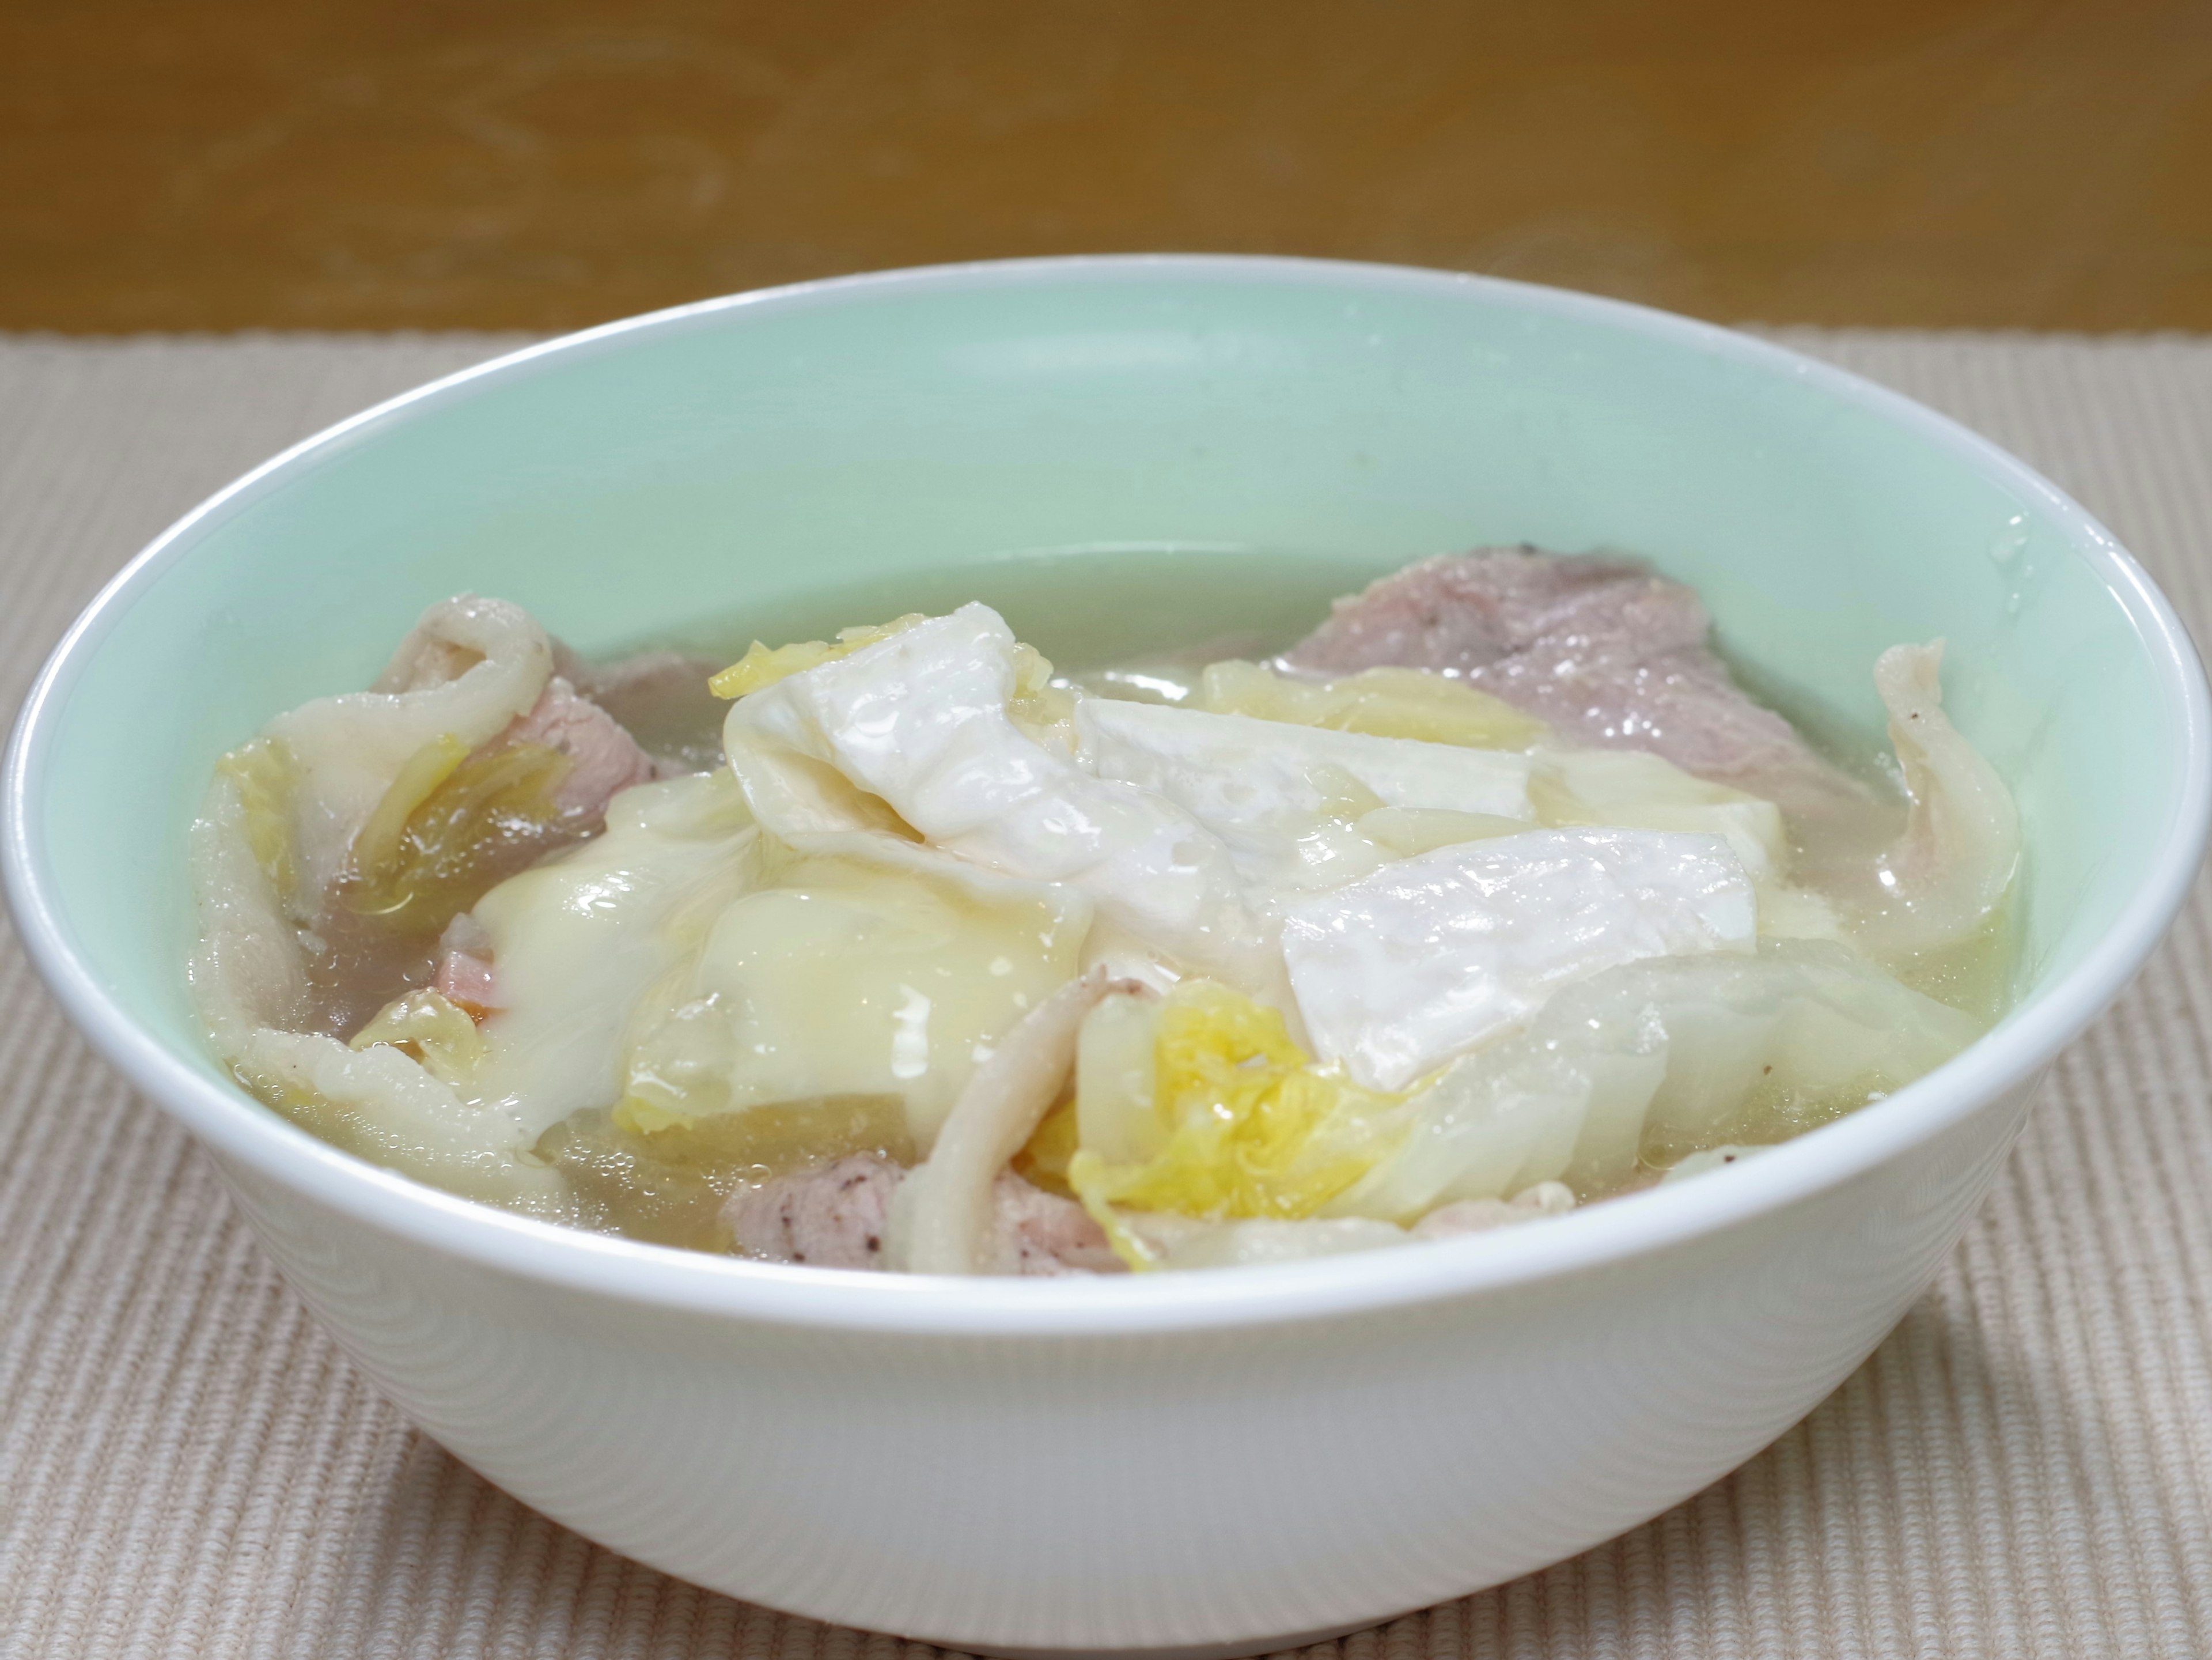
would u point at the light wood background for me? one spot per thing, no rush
(547, 164)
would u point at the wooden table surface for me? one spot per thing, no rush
(547, 164)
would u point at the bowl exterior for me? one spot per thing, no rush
(1151, 1491)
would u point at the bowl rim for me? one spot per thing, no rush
(238, 1128)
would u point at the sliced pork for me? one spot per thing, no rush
(1035, 1233)
(660, 697)
(835, 1217)
(604, 759)
(832, 1216)
(464, 976)
(1605, 651)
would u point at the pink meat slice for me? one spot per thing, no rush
(660, 697)
(1042, 1233)
(1605, 651)
(833, 1218)
(603, 758)
(466, 979)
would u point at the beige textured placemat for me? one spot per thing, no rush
(188, 1468)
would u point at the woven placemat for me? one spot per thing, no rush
(188, 1468)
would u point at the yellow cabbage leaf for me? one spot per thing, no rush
(1251, 1127)
(432, 1028)
(1381, 703)
(763, 665)
(1044, 711)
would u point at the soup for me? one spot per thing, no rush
(1491, 896)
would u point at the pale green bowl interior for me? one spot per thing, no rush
(1118, 457)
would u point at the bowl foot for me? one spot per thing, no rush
(1238, 1650)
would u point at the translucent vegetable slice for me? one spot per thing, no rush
(1946, 878)
(452, 826)
(1648, 1062)
(853, 964)
(434, 1030)
(1384, 702)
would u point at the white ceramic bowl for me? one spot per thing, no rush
(1218, 1462)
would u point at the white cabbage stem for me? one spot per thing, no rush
(1942, 880)
(940, 1218)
